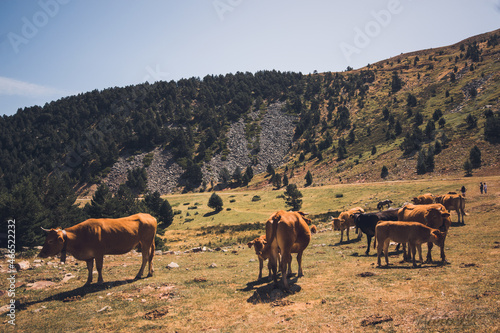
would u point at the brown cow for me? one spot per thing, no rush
(423, 199)
(413, 233)
(345, 221)
(453, 201)
(291, 234)
(258, 244)
(434, 216)
(94, 238)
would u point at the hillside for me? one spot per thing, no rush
(447, 85)
(431, 105)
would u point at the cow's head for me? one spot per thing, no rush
(416, 201)
(446, 221)
(439, 199)
(314, 230)
(54, 243)
(439, 237)
(258, 243)
(336, 223)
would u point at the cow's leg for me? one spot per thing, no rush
(369, 240)
(284, 262)
(145, 257)
(90, 268)
(419, 248)
(150, 261)
(270, 268)
(386, 250)
(289, 268)
(429, 255)
(405, 254)
(99, 259)
(261, 265)
(341, 235)
(273, 263)
(299, 261)
(347, 232)
(411, 247)
(380, 246)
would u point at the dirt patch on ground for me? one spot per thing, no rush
(156, 314)
(375, 319)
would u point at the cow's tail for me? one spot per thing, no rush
(276, 218)
(375, 240)
(462, 206)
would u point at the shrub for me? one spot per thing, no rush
(215, 202)
(256, 198)
(385, 172)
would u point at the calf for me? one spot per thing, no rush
(413, 233)
(258, 244)
(434, 216)
(345, 221)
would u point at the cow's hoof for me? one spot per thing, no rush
(150, 275)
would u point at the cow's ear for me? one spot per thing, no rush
(276, 217)
(445, 214)
(60, 239)
(264, 242)
(250, 244)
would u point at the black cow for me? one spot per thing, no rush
(368, 221)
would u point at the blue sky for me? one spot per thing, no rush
(54, 48)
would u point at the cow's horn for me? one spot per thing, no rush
(46, 230)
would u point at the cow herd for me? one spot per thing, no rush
(427, 220)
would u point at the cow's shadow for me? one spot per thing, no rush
(351, 241)
(70, 295)
(407, 265)
(266, 291)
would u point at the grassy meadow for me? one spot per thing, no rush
(218, 291)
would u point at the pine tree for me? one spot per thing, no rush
(396, 82)
(277, 181)
(285, 180)
(475, 157)
(165, 214)
(468, 168)
(293, 197)
(421, 163)
(308, 178)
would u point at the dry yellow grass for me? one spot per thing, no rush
(342, 290)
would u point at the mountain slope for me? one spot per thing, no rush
(343, 127)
